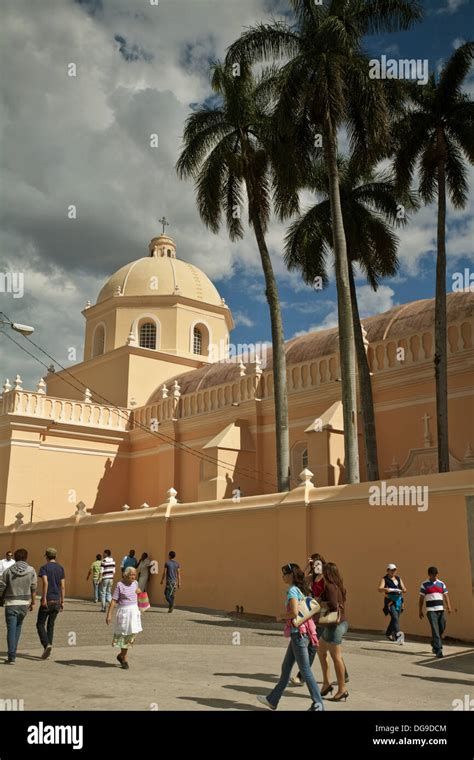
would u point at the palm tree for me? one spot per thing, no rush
(370, 211)
(435, 135)
(226, 149)
(325, 84)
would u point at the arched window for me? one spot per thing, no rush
(148, 335)
(299, 459)
(99, 341)
(304, 458)
(197, 341)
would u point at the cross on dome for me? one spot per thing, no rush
(164, 222)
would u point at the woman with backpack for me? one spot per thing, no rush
(300, 639)
(333, 599)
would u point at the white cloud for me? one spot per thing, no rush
(242, 319)
(452, 6)
(369, 303)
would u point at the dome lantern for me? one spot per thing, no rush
(162, 246)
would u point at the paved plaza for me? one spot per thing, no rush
(198, 660)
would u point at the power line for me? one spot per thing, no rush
(161, 436)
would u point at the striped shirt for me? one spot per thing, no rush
(433, 592)
(125, 595)
(108, 568)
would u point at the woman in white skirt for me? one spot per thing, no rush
(127, 620)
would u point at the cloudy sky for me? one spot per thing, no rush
(85, 140)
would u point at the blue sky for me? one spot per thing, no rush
(85, 141)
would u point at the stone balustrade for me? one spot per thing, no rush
(64, 411)
(383, 357)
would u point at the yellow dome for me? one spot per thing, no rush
(161, 274)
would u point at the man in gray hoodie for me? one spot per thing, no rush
(18, 592)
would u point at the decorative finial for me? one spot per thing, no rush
(163, 221)
(88, 304)
(18, 383)
(87, 395)
(81, 509)
(7, 386)
(40, 388)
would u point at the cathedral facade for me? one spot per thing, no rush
(161, 406)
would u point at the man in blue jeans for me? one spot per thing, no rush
(172, 573)
(52, 600)
(18, 594)
(433, 593)
(107, 572)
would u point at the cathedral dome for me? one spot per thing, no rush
(161, 274)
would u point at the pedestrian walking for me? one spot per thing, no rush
(129, 560)
(95, 571)
(393, 588)
(333, 599)
(143, 571)
(300, 639)
(172, 574)
(434, 593)
(128, 618)
(314, 574)
(6, 563)
(107, 569)
(53, 592)
(18, 595)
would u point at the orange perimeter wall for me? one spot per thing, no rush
(231, 553)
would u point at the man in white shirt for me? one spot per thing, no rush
(6, 563)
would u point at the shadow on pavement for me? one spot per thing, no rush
(439, 680)
(461, 662)
(20, 656)
(88, 663)
(222, 704)
(397, 649)
(238, 624)
(251, 676)
(256, 690)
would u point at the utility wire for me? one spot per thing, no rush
(161, 436)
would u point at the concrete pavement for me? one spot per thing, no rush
(195, 660)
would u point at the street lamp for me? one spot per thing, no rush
(22, 329)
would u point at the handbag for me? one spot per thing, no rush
(307, 608)
(143, 601)
(329, 617)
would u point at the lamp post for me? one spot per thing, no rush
(22, 329)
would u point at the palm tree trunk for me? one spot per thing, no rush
(344, 309)
(280, 394)
(441, 351)
(279, 362)
(365, 390)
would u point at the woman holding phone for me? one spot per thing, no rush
(300, 640)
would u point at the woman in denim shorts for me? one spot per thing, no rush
(334, 595)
